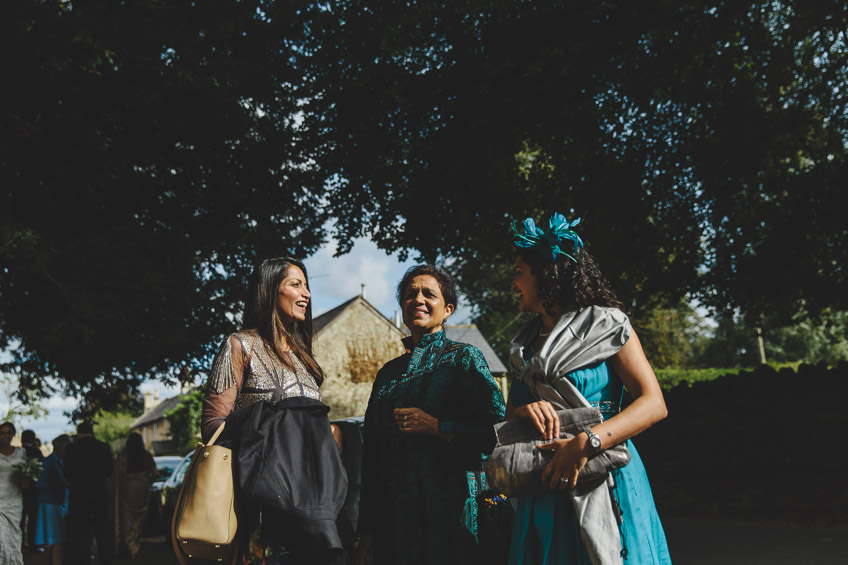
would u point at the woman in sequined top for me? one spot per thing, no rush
(269, 359)
(429, 421)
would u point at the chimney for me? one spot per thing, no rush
(148, 401)
(362, 294)
(397, 319)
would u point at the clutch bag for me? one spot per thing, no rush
(515, 466)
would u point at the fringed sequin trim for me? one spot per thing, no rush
(222, 376)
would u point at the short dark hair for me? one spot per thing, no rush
(60, 440)
(27, 436)
(85, 428)
(446, 284)
(9, 425)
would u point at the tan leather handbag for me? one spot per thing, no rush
(204, 523)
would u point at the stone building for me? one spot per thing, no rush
(152, 424)
(351, 342)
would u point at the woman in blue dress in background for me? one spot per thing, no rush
(53, 502)
(580, 334)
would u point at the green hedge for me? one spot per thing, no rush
(670, 377)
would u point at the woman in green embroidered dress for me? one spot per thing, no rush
(429, 420)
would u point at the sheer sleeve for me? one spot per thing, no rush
(223, 385)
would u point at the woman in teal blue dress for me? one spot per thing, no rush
(429, 420)
(581, 335)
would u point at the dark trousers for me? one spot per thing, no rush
(83, 520)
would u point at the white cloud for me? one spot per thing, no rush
(55, 422)
(334, 280)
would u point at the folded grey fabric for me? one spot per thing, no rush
(579, 339)
(515, 466)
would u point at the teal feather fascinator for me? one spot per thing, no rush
(558, 235)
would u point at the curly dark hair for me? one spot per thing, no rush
(446, 284)
(569, 284)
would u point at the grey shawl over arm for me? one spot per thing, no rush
(579, 339)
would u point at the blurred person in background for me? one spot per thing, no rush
(11, 498)
(52, 488)
(31, 444)
(88, 464)
(135, 471)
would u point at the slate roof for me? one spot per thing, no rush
(320, 322)
(158, 412)
(324, 320)
(468, 333)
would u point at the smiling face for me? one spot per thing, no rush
(524, 285)
(6, 435)
(424, 308)
(293, 296)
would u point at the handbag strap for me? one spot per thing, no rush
(216, 434)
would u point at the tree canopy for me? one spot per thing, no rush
(702, 142)
(152, 151)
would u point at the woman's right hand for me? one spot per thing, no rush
(543, 415)
(365, 550)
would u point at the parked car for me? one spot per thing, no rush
(165, 465)
(171, 489)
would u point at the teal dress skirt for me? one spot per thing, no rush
(546, 531)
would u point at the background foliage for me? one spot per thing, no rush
(150, 153)
(184, 421)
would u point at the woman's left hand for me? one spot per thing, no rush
(416, 422)
(569, 459)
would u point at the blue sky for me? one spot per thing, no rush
(332, 280)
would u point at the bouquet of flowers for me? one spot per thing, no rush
(27, 470)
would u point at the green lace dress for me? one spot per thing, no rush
(414, 487)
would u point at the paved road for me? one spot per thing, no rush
(708, 543)
(690, 543)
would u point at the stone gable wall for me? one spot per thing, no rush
(350, 350)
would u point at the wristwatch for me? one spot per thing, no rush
(594, 441)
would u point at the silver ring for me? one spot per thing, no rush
(563, 479)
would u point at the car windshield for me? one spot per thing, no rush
(181, 471)
(165, 468)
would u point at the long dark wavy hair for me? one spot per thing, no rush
(570, 285)
(261, 315)
(135, 451)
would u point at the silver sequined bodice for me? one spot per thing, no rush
(265, 378)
